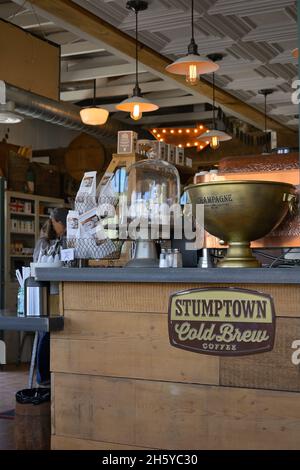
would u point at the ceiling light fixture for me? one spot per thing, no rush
(136, 105)
(8, 114)
(92, 115)
(193, 64)
(214, 136)
(265, 92)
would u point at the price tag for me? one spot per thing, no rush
(67, 255)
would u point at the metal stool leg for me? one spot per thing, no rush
(33, 359)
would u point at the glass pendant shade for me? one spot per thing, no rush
(94, 116)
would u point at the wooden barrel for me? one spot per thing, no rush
(85, 153)
(32, 426)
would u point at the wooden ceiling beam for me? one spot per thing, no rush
(112, 91)
(90, 26)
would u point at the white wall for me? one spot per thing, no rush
(38, 134)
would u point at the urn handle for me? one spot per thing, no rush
(293, 201)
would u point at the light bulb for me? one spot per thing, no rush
(192, 75)
(136, 113)
(215, 143)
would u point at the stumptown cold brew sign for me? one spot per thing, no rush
(222, 321)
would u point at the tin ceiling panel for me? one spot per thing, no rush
(255, 36)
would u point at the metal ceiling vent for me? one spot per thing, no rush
(15, 104)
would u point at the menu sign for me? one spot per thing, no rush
(222, 321)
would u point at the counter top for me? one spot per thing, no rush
(15, 323)
(177, 275)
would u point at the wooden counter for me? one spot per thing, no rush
(118, 384)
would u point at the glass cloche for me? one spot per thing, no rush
(153, 186)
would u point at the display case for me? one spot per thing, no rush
(25, 214)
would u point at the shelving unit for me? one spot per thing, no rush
(34, 218)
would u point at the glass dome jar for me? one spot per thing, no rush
(153, 187)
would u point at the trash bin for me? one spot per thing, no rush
(33, 419)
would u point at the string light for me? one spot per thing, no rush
(161, 134)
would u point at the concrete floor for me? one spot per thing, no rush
(12, 379)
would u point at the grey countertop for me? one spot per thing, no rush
(10, 321)
(176, 275)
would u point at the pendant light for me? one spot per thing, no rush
(136, 105)
(92, 115)
(214, 136)
(265, 92)
(193, 64)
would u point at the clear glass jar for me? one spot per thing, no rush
(152, 185)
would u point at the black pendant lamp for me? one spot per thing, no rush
(214, 136)
(193, 64)
(136, 105)
(266, 92)
(93, 115)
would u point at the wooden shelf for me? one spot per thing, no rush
(22, 214)
(21, 256)
(23, 233)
